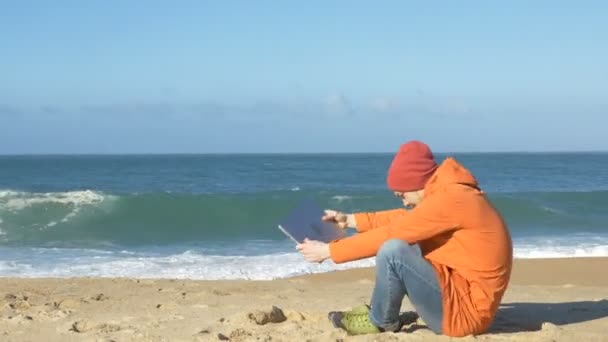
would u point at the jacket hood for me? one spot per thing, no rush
(450, 172)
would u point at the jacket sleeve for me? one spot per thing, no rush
(372, 220)
(428, 219)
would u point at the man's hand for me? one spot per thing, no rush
(339, 218)
(314, 251)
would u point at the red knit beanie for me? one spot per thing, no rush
(411, 168)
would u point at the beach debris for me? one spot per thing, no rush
(100, 297)
(275, 315)
(223, 337)
(83, 326)
(68, 303)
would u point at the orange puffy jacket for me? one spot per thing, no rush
(459, 232)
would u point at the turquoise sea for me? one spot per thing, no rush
(215, 216)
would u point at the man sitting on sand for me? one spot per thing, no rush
(451, 254)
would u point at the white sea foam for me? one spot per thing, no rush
(7, 193)
(341, 198)
(552, 210)
(15, 201)
(568, 246)
(528, 252)
(199, 264)
(186, 265)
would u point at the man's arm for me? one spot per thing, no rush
(372, 220)
(426, 220)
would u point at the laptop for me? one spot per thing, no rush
(304, 221)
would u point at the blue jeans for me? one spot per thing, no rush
(400, 271)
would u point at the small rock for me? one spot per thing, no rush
(223, 337)
(83, 326)
(275, 315)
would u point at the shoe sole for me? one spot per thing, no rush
(335, 317)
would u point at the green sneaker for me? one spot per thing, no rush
(355, 323)
(364, 308)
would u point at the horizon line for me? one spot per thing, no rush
(286, 153)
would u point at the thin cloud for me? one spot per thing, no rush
(9, 111)
(338, 105)
(383, 105)
(421, 103)
(160, 109)
(334, 105)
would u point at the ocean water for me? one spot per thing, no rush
(215, 216)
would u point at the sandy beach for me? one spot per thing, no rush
(548, 300)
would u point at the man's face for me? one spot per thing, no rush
(410, 199)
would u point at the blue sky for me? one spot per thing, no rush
(314, 76)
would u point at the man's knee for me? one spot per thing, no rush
(395, 247)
